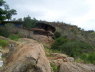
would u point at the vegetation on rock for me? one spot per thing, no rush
(3, 43)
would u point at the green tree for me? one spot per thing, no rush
(29, 23)
(2, 2)
(56, 35)
(59, 41)
(19, 19)
(10, 13)
(5, 11)
(75, 48)
(2, 15)
(2, 12)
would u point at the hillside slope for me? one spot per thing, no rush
(28, 55)
(74, 32)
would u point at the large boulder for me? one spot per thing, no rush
(76, 67)
(69, 59)
(29, 56)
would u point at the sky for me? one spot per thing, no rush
(76, 12)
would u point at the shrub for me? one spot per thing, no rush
(59, 41)
(84, 57)
(3, 43)
(75, 48)
(91, 57)
(4, 32)
(55, 68)
(9, 26)
(56, 35)
(14, 37)
(88, 57)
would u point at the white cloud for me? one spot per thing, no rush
(77, 12)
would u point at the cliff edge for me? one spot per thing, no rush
(28, 56)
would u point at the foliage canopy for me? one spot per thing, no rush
(29, 23)
(5, 11)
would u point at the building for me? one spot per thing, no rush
(43, 29)
(42, 32)
(18, 24)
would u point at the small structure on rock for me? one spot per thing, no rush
(42, 32)
(43, 29)
(18, 24)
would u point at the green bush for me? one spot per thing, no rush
(55, 68)
(72, 48)
(91, 57)
(59, 41)
(75, 48)
(88, 57)
(3, 43)
(84, 57)
(14, 37)
(56, 35)
(4, 32)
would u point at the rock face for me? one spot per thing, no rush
(30, 34)
(75, 67)
(70, 59)
(43, 38)
(29, 56)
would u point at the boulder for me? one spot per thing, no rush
(69, 59)
(29, 56)
(57, 62)
(75, 67)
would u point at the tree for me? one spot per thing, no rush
(56, 35)
(19, 19)
(6, 13)
(10, 13)
(29, 23)
(75, 48)
(2, 12)
(2, 2)
(2, 15)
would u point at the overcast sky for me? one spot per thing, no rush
(75, 12)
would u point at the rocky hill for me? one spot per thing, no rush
(74, 32)
(28, 55)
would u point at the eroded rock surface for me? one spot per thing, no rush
(29, 56)
(75, 67)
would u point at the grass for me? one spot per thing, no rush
(47, 48)
(3, 43)
(55, 68)
(14, 37)
(87, 58)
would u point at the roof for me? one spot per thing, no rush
(47, 25)
(20, 22)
